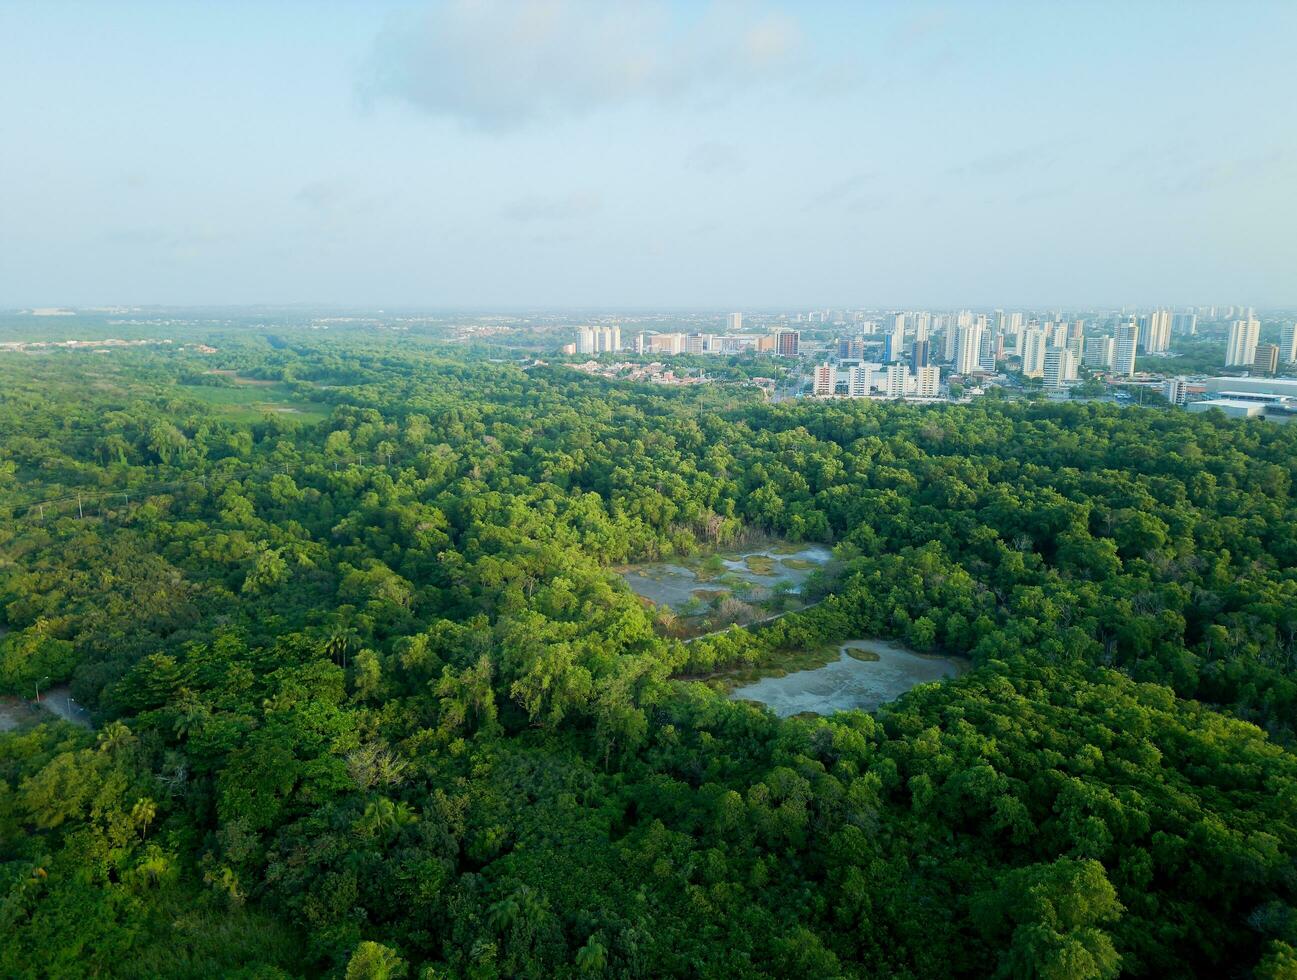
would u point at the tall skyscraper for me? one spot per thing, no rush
(987, 351)
(898, 380)
(1155, 328)
(735, 322)
(1288, 346)
(1184, 324)
(1127, 342)
(918, 355)
(1033, 352)
(1240, 350)
(585, 340)
(894, 341)
(1060, 367)
(1100, 352)
(968, 348)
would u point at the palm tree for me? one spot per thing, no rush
(592, 957)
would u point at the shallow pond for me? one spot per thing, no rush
(749, 575)
(866, 674)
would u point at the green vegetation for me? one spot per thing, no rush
(370, 701)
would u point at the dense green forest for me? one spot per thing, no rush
(369, 701)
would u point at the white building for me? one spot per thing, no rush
(898, 381)
(735, 322)
(927, 383)
(860, 379)
(1240, 351)
(1127, 342)
(968, 348)
(1100, 352)
(1033, 352)
(585, 340)
(1060, 367)
(1175, 391)
(1155, 328)
(1288, 345)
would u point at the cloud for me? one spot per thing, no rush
(566, 208)
(499, 64)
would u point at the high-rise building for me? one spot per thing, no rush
(898, 381)
(851, 348)
(1155, 328)
(1060, 367)
(968, 347)
(922, 325)
(1184, 324)
(698, 343)
(735, 322)
(1240, 350)
(859, 380)
(1127, 342)
(826, 379)
(949, 335)
(927, 381)
(894, 341)
(988, 351)
(1100, 352)
(918, 355)
(1175, 391)
(1266, 360)
(1033, 352)
(788, 343)
(585, 340)
(1288, 345)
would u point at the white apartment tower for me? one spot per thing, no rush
(968, 348)
(1033, 352)
(927, 383)
(1126, 342)
(859, 380)
(1243, 336)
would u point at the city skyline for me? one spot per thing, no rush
(644, 156)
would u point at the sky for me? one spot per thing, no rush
(648, 155)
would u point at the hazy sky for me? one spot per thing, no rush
(719, 155)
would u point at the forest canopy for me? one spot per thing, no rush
(369, 699)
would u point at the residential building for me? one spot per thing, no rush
(826, 380)
(1033, 352)
(1266, 360)
(898, 381)
(1127, 341)
(918, 355)
(968, 348)
(735, 322)
(851, 348)
(894, 341)
(1155, 328)
(860, 379)
(1060, 367)
(788, 343)
(1175, 391)
(1184, 324)
(1288, 345)
(1240, 350)
(1100, 352)
(927, 381)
